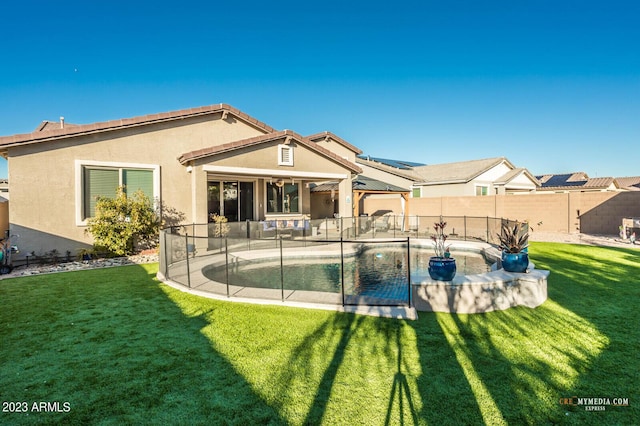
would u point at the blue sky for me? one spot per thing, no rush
(554, 86)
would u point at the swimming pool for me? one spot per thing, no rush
(379, 272)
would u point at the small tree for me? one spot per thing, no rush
(121, 224)
(221, 227)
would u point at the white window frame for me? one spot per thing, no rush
(282, 161)
(79, 190)
(481, 186)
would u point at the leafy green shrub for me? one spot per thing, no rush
(122, 224)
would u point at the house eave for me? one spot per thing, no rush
(444, 182)
(114, 125)
(186, 158)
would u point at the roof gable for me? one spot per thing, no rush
(459, 172)
(512, 175)
(285, 135)
(328, 135)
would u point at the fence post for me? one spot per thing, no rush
(281, 271)
(373, 224)
(186, 242)
(394, 226)
(409, 271)
(465, 227)
(226, 262)
(166, 250)
(342, 270)
(487, 229)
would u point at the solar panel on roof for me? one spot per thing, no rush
(399, 164)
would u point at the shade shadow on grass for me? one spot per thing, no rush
(512, 367)
(125, 349)
(603, 285)
(118, 350)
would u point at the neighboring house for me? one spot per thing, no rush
(200, 161)
(489, 176)
(631, 183)
(575, 182)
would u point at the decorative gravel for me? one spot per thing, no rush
(21, 271)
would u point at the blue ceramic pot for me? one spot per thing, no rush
(442, 269)
(515, 262)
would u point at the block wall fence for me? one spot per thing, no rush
(573, 212)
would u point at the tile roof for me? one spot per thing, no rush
(47, 125)
(631, 183)
(566, 179)
(459, 172)
(47, 133)
(232, 146)
(328, 135)
(603, 182)
(574, 181)
(361, 183)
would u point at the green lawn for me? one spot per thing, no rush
(121, 348)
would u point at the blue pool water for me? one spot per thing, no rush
(375, 272)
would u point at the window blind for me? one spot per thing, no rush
(98, 183)
(134, 180)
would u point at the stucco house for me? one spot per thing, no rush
(490, 176)
(199, 161)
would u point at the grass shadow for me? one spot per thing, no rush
(603, 285)
(125, 349)
(112, 344)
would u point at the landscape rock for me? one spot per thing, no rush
(21, 271)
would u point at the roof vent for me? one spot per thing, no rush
(62, 122)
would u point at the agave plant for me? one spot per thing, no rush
(439, 239)
(514, 238)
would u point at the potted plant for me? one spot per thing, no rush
(442, 266)
(514, 240)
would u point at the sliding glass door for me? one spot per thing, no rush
(245, 201)
(231, 199)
